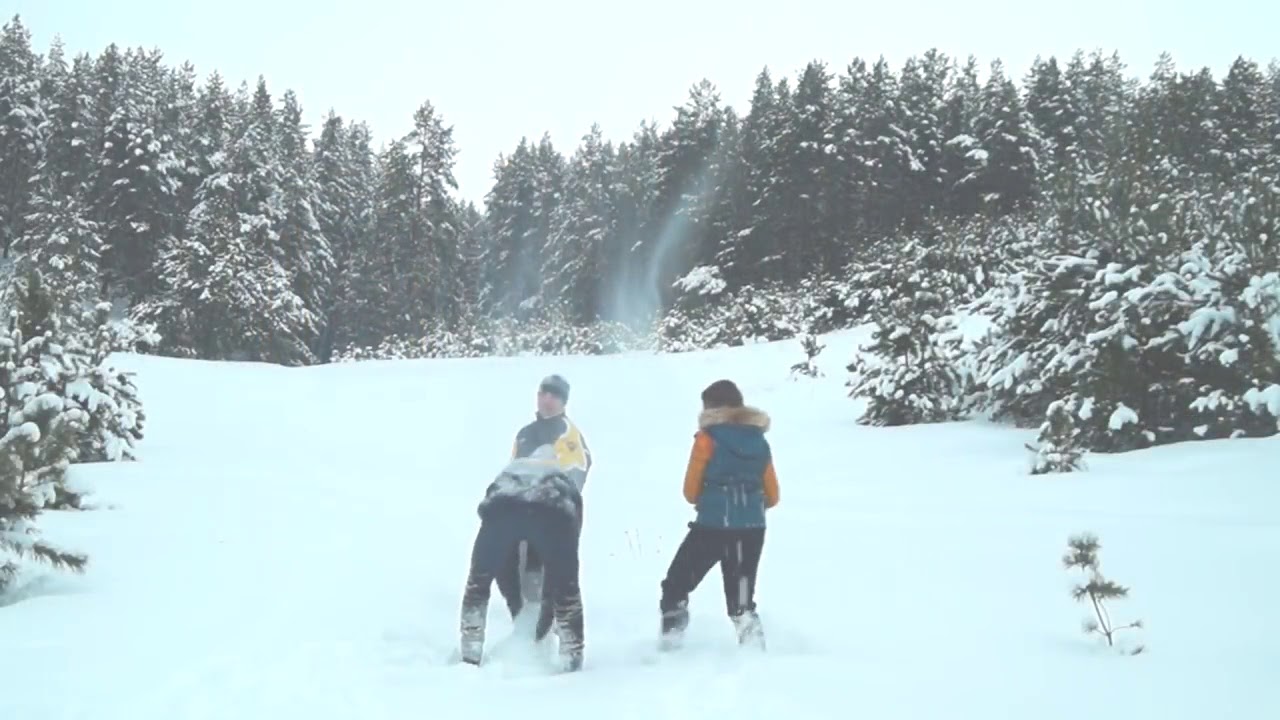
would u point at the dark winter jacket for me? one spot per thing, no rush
(570, 447)
(534, 480)
(730, 478)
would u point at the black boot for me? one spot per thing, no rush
(674, 623)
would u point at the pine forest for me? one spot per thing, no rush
(1074, 246)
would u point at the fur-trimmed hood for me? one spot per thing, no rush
(735, 416)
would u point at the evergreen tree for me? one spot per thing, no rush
(1050, 106)
(303, 247)
(913, 381)
(883, 148)
(45, 367)
(922, 94)
(1240, 112)
(432, 153)
(689, 181)
(334, 213)
(22, 139)
(527, 189)
(813, 161)
(63, 246)
(576, 268)
(1005, 165)
(961, 148)
(113, 413)
(1057, 448)
(225, 295)
(753, 252)
(69, 162)
(635, 202)
(135, 201)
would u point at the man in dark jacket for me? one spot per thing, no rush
(532, 501)
(521, 578)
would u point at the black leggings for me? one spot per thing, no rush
(737, 552)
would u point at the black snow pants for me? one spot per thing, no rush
(738, 554)
(553, 536)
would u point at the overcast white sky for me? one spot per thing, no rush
(499, 70)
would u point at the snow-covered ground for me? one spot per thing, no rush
(294, 544)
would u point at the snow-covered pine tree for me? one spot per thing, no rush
(912, 378)
(883, 147)
(1242, 141)
(584, 231)
(1035, 350)
(432, 152)
(750, 252)
(1005, 166)
(114, 415)
(390, 283)
(177, 127)
(1101, 95)
(812, 161)
(1231, 328)
(64, 246)
(135, 199)
(225, 296)
(528, 186)
(335, 184)
(962, 105)
(689, 179)
(635, 195)
(1057, 448)
(472, 244)
(22, 138)
(307, 250)
(922, 93)
(1050, 105)
(70, 158)
(24, 492)
(215, 117)
(37, 390)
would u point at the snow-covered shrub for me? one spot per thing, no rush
(1161, 319)
(752, 314)
(34, 380)
(913, 379)
(39, 432)
(505, 337)
(27, 488)
(1097, 590)
(1057, 448)
(108, 396)
(962, 260)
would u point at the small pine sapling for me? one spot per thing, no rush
(1083, 554)
(811, 350)
(1059, 448)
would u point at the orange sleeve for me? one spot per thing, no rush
(701, 453)
(771, 494)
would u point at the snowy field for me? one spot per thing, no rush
(294, 545)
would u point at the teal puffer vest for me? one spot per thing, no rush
(733, 481)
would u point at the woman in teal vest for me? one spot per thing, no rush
(731, 482)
